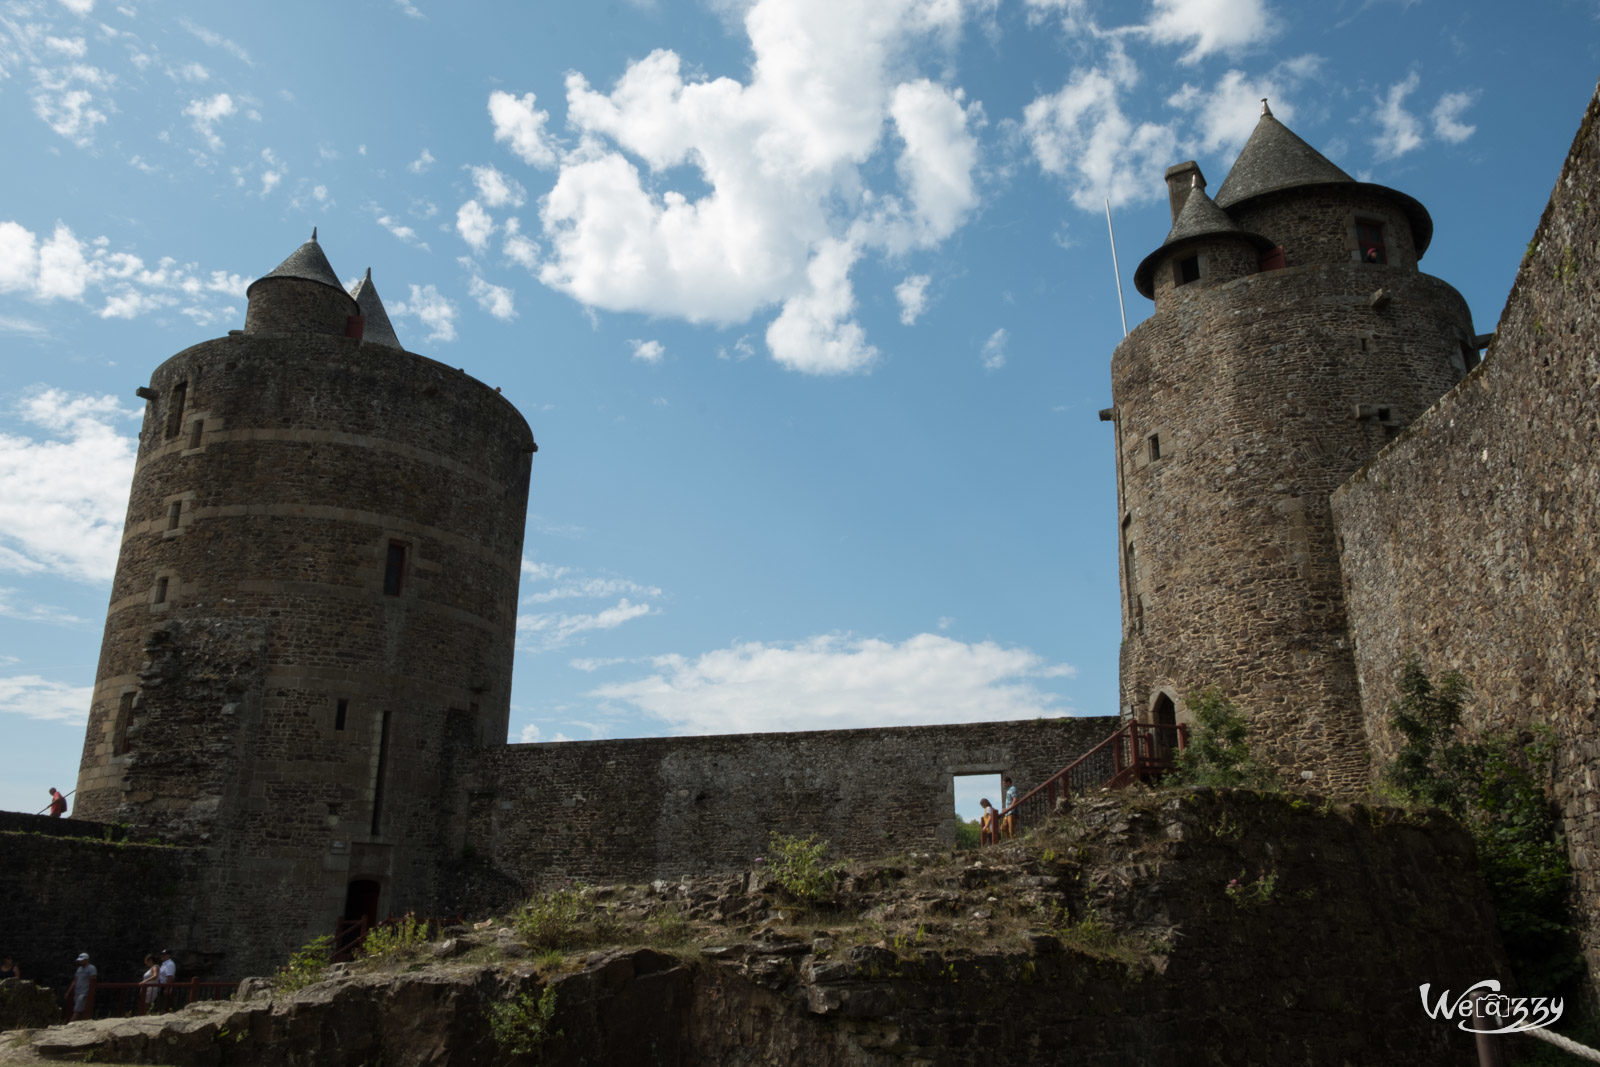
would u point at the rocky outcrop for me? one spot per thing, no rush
(1164, 929)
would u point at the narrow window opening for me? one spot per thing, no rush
(1187, 270)
(119, 729)
(1469, 355)
(1363, 344)
(339, 713)
(195, 431)
(377, 774)
(174, 510)
(1383, 414)
(1155, 446)
(1369, 239)
(175, 409)
(394, 569)
(161, 591)
(1132, 578)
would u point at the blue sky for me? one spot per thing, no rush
(809, 303)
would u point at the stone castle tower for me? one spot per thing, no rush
(1292, 337)
(313, 615)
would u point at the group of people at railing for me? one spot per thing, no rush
(157, 989)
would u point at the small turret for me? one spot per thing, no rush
(1204, 243)
(378, 330)
(301, 295)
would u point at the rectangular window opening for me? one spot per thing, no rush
(377, 774)
(970, 791)
(119, 729)
(339, 712)
(1187, 270)
(394, 569)
(174, 510)
(195, 431)
(1155, 446)
(1369, 240)
(161, 591)
(175, 409)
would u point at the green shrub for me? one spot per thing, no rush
(968, 833)
(1491, 784)
(522, 1024)
(551, 919)
(1218, 752)
(795, 865)
(394, 940)
(307, 965)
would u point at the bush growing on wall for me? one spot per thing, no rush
(1218, 753)
(1492, 785)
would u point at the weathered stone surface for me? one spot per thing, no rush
(1471, 541)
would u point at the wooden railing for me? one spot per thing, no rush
(1138, 752)
(115, 999)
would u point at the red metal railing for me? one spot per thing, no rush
(112, 999)
(1138, 752)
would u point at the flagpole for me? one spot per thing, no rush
(1116, 269)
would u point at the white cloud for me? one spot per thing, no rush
(815, 333)
(519, 247)
(912, 293)
(1212, 25)
(206, 113)
(518, 122)
(497, 300)
(71, 47)
(37, 698)
(647, 351)
(192, 72)
(1447, 124)
(787, 190)
(544, 632)
(1081, 135)
(27, 611)
(1399, 131)
(397, 228)
(433, 310)
(838, 681)
(584, 588)
(65, 99)
(67, 490)
(474, 224)
(421, 164)
(63, 271)
(1227, 113)
(78, 7)
(216, 40)
(409, 9)
(497, 190)
(741, 350)
(272, 171)
(994, 350)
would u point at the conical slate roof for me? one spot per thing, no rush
(1199, 217)
(379, 330)
(305, 262)
(1275, 158)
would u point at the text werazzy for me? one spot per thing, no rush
(1499, 1013)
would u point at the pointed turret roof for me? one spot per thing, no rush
(305, 262)
(1199, 217)
(378, 329)
(1275, 158)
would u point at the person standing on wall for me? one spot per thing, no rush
(58, 803)
(82, 988)
(988, 834)
(1008, 822)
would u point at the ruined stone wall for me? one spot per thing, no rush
(262, 689)
(70, 894)
(1239, 408)
(1472, 540)
(636, 810)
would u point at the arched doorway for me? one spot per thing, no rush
(360, 915)
(1164, 717)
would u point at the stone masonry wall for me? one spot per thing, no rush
(1473, 541)
(70, 894)
(649, 808)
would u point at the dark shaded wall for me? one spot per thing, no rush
(1473, 540)
(69, 890)
(651, 808)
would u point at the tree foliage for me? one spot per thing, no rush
(1218, 752)
(1492, 785)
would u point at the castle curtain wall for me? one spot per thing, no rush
(1472, 540)
(637, 810)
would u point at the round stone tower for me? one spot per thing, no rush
(313, 615)
(1292, 337)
